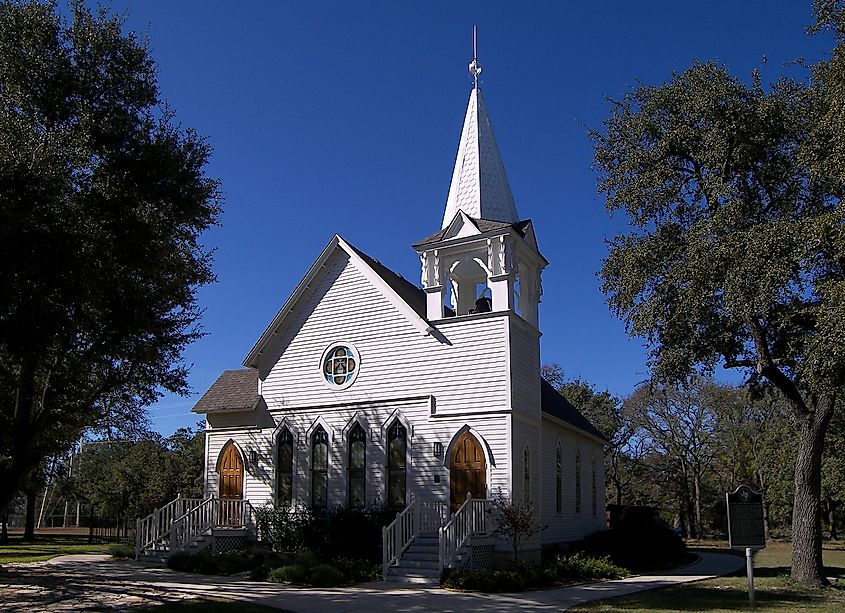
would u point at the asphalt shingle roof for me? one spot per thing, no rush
(234, 390)
(553, 403)
(483, 225)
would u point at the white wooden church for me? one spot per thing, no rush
(368, 391)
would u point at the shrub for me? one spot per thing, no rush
(358, 571)
(215, 564)
(580, 566)
(499, 580)
(292, 573)
(326, 575)
(640, 548)
(121, 550)
(341, 533)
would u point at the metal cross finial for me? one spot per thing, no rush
(474, 66)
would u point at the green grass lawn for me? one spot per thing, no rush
(46, 547)
(774, 589)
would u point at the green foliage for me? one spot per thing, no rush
(338, 534)
(131, 478)
(736, 253)
(121, 550)
(638, 548)
(103, 203)
(308, 569)
(326, 575)
(485, 581)
(204, 563)
(577, 566)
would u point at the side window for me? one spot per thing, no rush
(319, 468)
(284, 468)
(357, 467)
(397, 449)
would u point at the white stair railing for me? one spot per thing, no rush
(197, 521)
(396, 537)
(153, 531)
(430, 515)
(471, 518)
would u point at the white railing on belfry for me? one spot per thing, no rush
(471, 518)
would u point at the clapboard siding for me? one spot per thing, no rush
(480, 372)
(374, 417)
(568, 525)
(396, 359)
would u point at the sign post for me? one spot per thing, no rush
(745, 527)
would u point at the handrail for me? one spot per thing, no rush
(470, 518)
(153, 531)
(396, 536)
(186, 528)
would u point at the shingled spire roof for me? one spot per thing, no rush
(479, 186)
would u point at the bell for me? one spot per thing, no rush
(483, 305)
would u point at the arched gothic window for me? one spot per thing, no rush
(284, 468)
(319, 468)
(397, 449)
(577, 481)
(558, 480)
(595, 486)
(357, 467)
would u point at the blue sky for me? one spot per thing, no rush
(344, 117)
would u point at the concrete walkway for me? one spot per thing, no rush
(81, 582)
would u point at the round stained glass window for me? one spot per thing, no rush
(340, 365)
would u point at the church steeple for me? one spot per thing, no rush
(479, 185)
(484, 259)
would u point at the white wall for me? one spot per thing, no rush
(400, 368)
(568, 525)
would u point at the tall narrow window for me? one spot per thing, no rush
(319, 468)
(397, 447)
(526, 477)
(284, 468)
(595, 486)
(577, 481)
(357, 467)
(558, 480)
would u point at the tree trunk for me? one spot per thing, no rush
(29, 524)
(766, 529)
(807, 565)
(697, 499)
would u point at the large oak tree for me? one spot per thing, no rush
(737, 248)
(103, 199)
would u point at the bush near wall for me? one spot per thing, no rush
(638, 548)
(228, 563)
(309, 569)
(341, 533)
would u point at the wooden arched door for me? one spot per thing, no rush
(467, 470)
(231, 473)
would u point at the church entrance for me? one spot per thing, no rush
(467, 470)
(231, 473)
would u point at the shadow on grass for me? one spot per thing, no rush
(707, 597)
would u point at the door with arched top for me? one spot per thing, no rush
(467, 470)
(231, 472)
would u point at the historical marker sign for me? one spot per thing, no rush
(745, 519)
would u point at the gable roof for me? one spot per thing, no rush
(406, 290)
(483, 225)
(479, 184)
(234, 390)
(553, 403)
(408, 299)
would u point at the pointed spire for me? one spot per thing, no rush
(479, 185)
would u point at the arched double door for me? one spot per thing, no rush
(467, 470)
